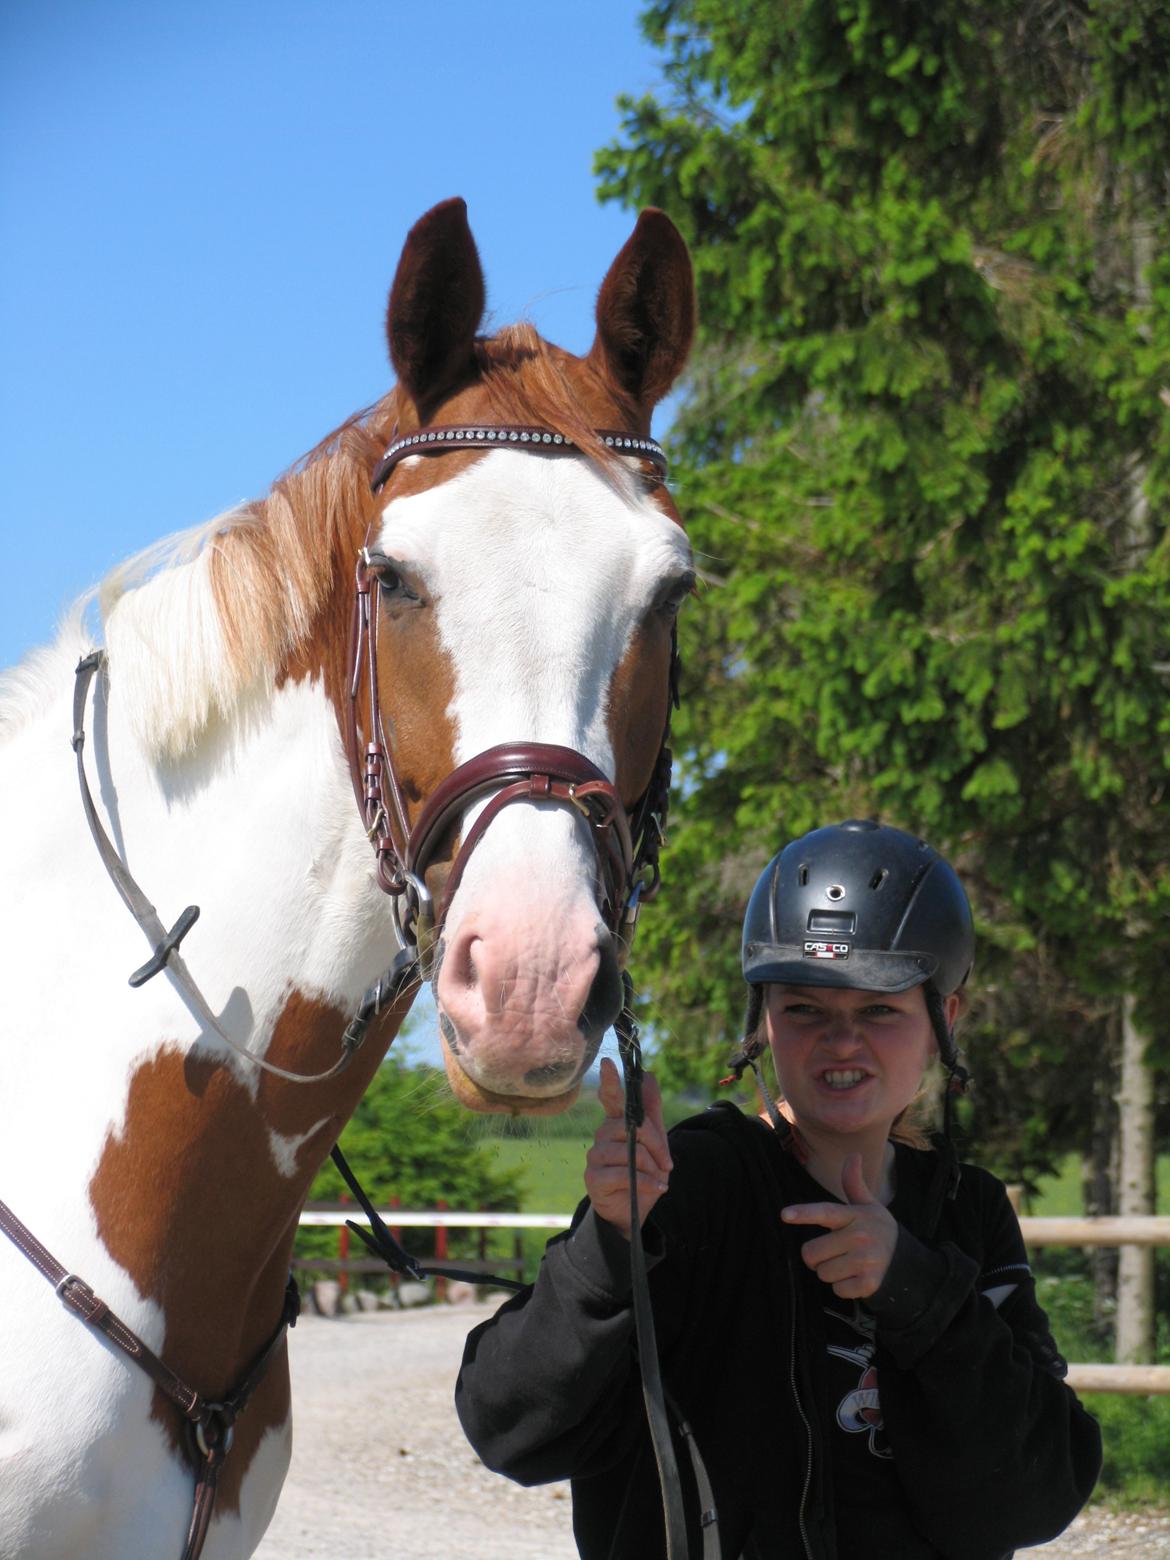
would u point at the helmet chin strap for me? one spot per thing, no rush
(747, 1056)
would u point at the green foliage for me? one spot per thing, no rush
(1135, 1431)
(925, 451)
(550, 1170)
(409, 1139)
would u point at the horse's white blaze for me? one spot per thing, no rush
(540, 570)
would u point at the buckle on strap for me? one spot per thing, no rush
(75, 1293)
(71, 1288)
(215, 1431)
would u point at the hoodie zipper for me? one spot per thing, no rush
(808, 1436)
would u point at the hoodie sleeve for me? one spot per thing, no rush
(550, 1386)
(993, 1450)
(545, 1386)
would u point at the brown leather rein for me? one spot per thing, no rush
(210, 1425)
(627, 845)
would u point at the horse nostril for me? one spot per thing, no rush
(604, 1002)
(551, 1072)
(447, 1029)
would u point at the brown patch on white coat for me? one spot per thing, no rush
(189, 1200)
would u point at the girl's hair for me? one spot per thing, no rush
(912, 1126)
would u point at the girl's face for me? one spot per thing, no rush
(849, 1061)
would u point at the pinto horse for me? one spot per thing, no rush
(523, 586)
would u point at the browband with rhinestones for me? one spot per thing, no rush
(434, 441)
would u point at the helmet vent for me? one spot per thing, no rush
(879, 878)
(835, 892)
(802, 877)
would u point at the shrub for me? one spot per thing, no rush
(410, 1139)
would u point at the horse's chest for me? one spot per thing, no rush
(86, 1467)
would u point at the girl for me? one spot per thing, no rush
(845, 1315)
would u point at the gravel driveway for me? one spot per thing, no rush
(381, 1470)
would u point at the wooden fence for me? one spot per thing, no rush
(316, 1215)
(1103, 1231)
(1151, 1230)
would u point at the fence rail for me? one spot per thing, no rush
(1150, 1230)
(1102, 1230)
(316, 1215)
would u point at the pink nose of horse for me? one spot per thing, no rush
(522, 1010)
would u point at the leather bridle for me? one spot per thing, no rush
(627, 843)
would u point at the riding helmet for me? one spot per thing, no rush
(858, 904)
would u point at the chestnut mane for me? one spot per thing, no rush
(202, 622)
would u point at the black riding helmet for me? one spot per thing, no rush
(864, 905)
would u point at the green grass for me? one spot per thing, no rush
(1060, 1195)
(1135, 1436)
(552, 1170)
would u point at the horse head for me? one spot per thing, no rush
(526, 590)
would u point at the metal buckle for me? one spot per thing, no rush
(68, 1282)
(221, 1447)
(414, 912)
(581, 804)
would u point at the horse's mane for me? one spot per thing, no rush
(205, 620)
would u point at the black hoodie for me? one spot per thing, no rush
(974, 1446)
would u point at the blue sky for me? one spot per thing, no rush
(202, 206)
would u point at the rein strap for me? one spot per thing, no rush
(211, 1423)
(166, 944)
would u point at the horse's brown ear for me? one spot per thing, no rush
(436, 303)
(646, 310)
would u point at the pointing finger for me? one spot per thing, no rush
(652, 1102)
(830, 1216)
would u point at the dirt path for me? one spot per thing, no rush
(381, 1470)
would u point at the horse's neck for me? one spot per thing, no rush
(181, 1161)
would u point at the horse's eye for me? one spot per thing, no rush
(391, 583)
(675, 594)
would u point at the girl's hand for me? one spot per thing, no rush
(607, 1177)
(856, 1253)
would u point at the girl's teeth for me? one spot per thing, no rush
(843, 1079)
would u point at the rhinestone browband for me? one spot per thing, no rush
(434, 441)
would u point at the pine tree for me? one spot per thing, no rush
(926, 450)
